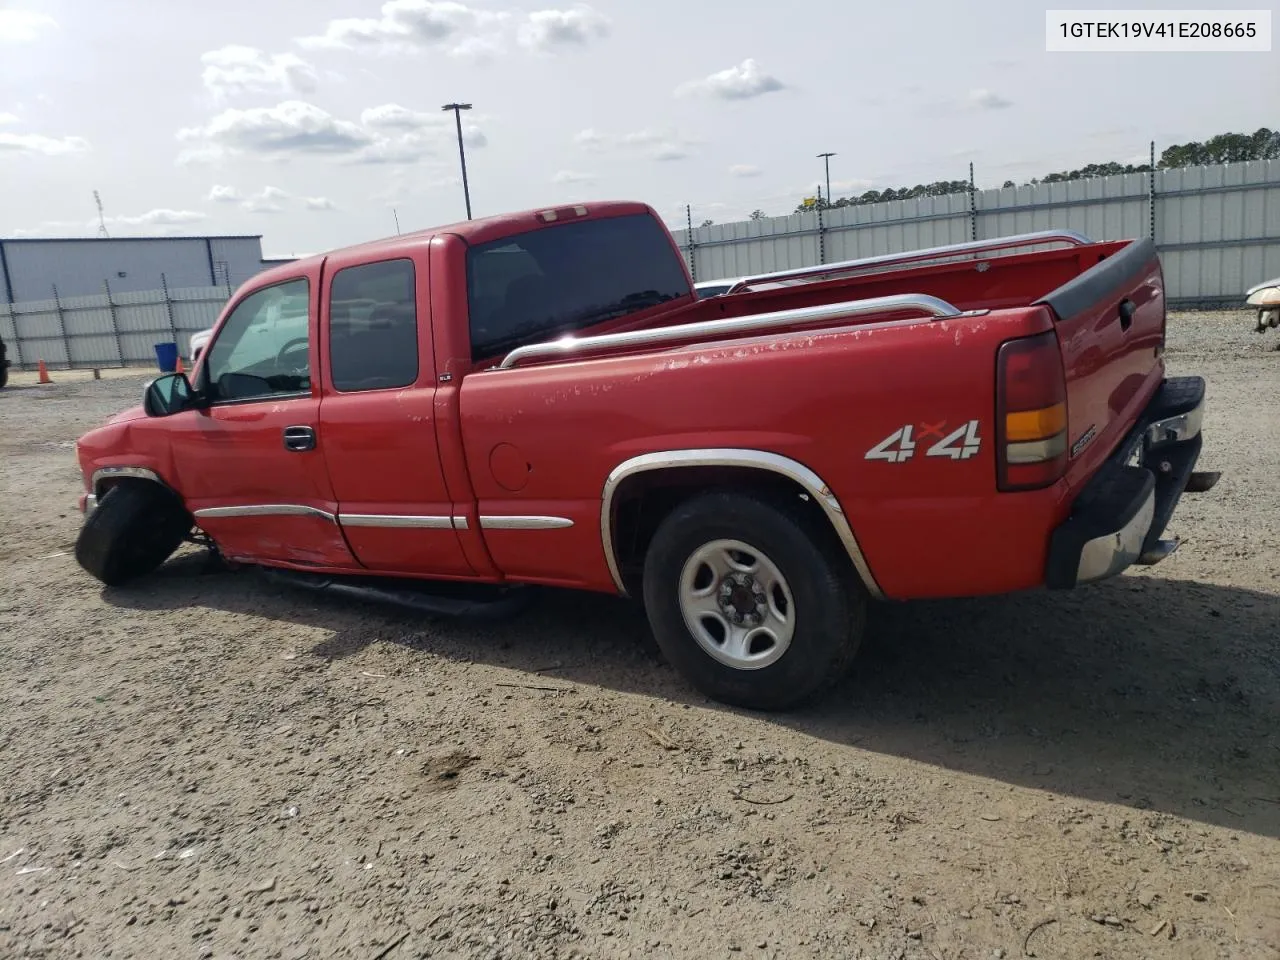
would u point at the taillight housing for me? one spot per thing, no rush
(1031, 413)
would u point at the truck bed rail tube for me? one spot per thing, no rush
(762, 321)
(912, 256)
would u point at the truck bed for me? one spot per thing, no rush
(824, 371)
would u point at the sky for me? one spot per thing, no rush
(318, 123)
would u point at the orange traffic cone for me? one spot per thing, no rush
(44, 373)
(179, 368)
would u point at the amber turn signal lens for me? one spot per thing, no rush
(1035, 424)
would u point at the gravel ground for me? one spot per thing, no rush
(206, 765)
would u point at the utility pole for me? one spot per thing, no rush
(826, 162)
(457, 109)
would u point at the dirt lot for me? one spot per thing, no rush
(208, 766)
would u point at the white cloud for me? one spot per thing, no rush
(159, 222)
(571, 176)
(744, 170)
(23, 26)
(392, 116)
(266, 200)
(408, 148)
(640, 138)
(36, 143)
(8, 118)
(402, 135)
(160, 217)
(221, 194)
(742, 82)
(317, 203)
(988, 100)
(549, 30)
(412, 25)
(289, 127)
(239, 69)
(657, 144)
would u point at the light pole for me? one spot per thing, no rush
(826, 162)
(457, 109)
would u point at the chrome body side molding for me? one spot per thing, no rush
(730, 457)
(386, 520)
(391, 520)
(265, 510)
(524, 523)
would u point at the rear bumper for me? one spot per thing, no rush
(1121, 513)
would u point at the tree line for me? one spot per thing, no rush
(1262, 144)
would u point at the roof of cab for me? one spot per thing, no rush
(480, 230)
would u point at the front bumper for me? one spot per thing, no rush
(1121, 513)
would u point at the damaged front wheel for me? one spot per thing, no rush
(135, 527)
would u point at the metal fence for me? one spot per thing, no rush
(1217, 228)
(109, 329)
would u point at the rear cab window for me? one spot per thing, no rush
(373, 327)
(561, 279)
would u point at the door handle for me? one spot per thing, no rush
(299, 438)
(1127, 309)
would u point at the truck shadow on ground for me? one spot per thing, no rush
(1151, 693)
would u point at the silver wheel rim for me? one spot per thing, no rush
(737, 604)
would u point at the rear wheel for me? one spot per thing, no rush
(134, 529)
(752, 600)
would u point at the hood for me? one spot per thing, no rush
(124, 416)
(1265, 283)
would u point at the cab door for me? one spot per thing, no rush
(378, 419)
(248, 463)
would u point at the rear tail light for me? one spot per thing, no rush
(1031, 413)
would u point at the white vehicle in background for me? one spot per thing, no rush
(283, 310)
(713, 288)
(706, 289)
(1265, 297)
(197, 343)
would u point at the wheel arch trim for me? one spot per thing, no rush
(761, 460)
(105, 474)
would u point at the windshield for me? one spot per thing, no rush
(528, 288)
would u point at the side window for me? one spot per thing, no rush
(373, 326)
(263, 350)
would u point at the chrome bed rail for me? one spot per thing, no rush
(566, 346)
(916, 256)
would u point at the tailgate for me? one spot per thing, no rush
(1110, 322)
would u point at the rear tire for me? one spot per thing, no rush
(753, 600)
(134, 529)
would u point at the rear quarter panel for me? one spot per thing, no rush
(824, 399)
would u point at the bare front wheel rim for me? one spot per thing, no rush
(737, 604)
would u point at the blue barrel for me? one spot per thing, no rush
(167, 356)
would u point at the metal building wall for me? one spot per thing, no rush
(1217, 228)
(78, 267)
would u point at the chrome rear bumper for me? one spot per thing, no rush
(1120, 515)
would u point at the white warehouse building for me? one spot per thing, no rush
(31, 268)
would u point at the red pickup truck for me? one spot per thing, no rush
(540, 399)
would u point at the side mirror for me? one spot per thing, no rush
(167, 395)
